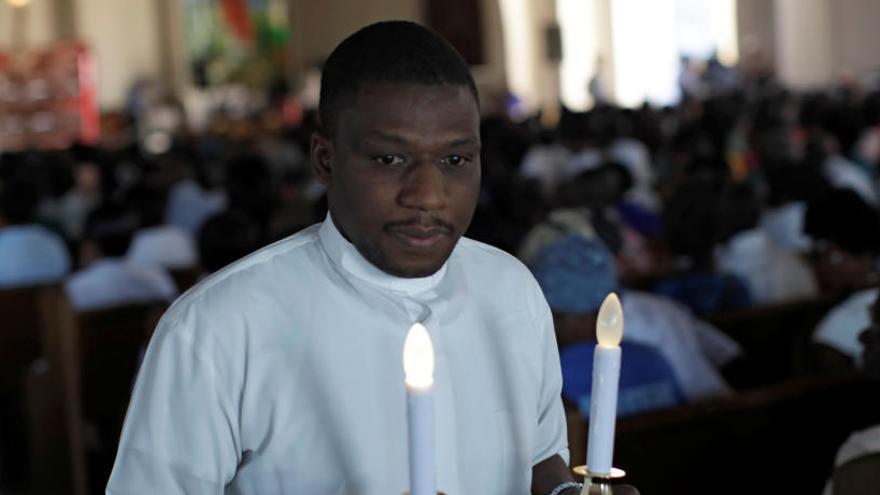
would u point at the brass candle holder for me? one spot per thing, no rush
(598, 483)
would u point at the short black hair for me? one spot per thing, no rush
(19, 201)
(227, 237)
(858, 234)
(389, 51)
(111, 226)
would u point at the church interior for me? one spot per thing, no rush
(723, 155)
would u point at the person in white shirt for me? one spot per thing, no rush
(856, 460)
(839, 330)
(576, 273)
(190, 204)
(108, 279)
(572, 153)
(29, 253)
(282, 373)
(157, 243)
(772, 273)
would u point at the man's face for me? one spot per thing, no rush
(403, 173)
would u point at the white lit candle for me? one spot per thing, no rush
(606, 375)
(418, 368)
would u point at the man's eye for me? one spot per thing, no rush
(455, 160)
(388, 159)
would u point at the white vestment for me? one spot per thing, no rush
(282, 374)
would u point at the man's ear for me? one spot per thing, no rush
(321, 157)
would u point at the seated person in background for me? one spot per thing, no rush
(225, 238)
(689, 224)
(857, 463)
(295, 210)
(107, 279)
(647, 381)
(572, 151)
(577, 273)
(789, 185)
(870, 339)
(73, 207)
(846, 241)
(773, 274)
(593, 204)
(156, 243)
(195, 198)
(29, 253)
(837, 334)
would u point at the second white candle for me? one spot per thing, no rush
(606, 377)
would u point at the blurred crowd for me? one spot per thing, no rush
(745, 194)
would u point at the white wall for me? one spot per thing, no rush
(855, 27)
(804, 42)
(323, 24)
(124, 37)
(529, 74)
(645, 51)
(318, 26)
(38, 28)
(756, 30)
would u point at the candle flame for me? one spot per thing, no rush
(609, 324)
(418, 357)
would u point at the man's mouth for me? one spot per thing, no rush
(420, 237)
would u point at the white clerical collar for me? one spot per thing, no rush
(344, 254)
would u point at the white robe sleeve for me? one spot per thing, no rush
(552, 435)
(181, 430)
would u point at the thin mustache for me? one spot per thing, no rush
(432, 222)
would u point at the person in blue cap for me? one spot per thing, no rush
(662, 355)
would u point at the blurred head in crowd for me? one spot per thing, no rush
(225, 238)
(249, 187)
(689, 217)
(598, 187)
(399, 149)
(18, 203)
(87, 172)
(737, 210)
(149, 202)
(573, 130)
(575, 274)
(846, 239)
(108, 232)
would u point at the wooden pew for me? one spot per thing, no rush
(777, 439)
(109, 343)
(36, 327)
(48, 430)
(777, 338)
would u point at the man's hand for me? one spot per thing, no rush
(551, 472)
(615, 490)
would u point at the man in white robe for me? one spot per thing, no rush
(282, 373)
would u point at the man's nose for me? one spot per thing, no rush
(424, 187)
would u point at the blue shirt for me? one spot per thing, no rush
(31, 255)
(647, 381)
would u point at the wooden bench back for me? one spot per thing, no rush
(777, 339)
(110, 343)
(778, 439)
(38, 380)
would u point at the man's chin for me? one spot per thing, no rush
(404, 263)
(407, 265)
(412, 271)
